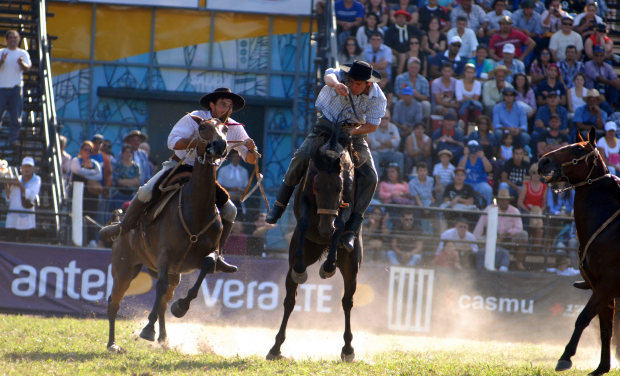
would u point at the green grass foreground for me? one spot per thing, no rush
(66, 346)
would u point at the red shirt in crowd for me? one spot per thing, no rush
(516, 37)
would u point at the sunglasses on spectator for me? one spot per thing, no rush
(509, 94)
(88, 150)
(567, 23)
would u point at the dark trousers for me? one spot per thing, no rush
(12, 97)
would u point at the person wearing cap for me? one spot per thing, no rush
(528, 21)
(134, 139)
(492, 89)
(443, 92)
(481, 63)
(449, 137)
(25, 187)
(508, 60)
(414, 80)
(221, 103)
(477, 166)
(333, 102)
(397, 36)
(378, 55)
(551, 84)
(499, 10)
(601, 76)
(349, 16)
(609, 148)
(553, 107)
(590, 115)
(587, 22)
(452, 56)
(407, 113)
(509, 116)
(509, 35)
(563, 38)
(569, 67)
(599, 38)
(469, 42)
(552, 17)
(551, 139)
(384, 144)
(476, 16)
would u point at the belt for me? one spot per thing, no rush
(175, 158)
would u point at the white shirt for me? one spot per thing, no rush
(559, 41)
(11, 73)
(469, 41)
(23, 221)
(582, 15)
(453, 234)
(462, 93)
(187, 128)
(390, 133)
(577, 102)
(232, 176)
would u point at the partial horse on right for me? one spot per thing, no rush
(597, 210)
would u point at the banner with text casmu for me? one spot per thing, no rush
(76, 282)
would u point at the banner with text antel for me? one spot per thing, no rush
(76, 282)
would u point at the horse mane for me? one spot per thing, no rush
(324, 162)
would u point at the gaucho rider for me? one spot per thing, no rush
(362, 109)
(218, 104)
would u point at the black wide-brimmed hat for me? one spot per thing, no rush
(361, 70)
(222, 92)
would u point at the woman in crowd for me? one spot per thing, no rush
(599, 38)
(538, 69)
(477, 166)
(125, 178)
(351, 51)
(481, 63)
(437, 41)
(88, 171)
(587, 22)
(551, 83)
(418, 147)
(448, 257)
(365, 32)
(375, 231)
(563, 201)
(24, 190)
(379, 8)
(414, 51)
(485, 136)
(533, 200)
(577, 93)
(392, 189)
(609, 148)
(525, 94)
(468, 91)
(407, 7)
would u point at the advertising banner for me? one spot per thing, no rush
(292, 7)
(77, 282)
(153, 3)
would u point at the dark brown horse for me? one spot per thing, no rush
(167, 250)
(597, 201)
(323, 204)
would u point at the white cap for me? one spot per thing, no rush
(610, 126)
(28, 161)
(456, 39)
(509, 48)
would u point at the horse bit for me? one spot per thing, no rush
(595, 155)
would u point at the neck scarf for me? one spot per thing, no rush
(403, 34)
(234, 173)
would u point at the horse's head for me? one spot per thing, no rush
(574, 163)
(211, 139)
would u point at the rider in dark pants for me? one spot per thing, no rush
(334, 101)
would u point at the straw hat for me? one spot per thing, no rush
(498, 69)
(133, 133)
(503, 194)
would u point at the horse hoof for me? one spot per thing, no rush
(563, 365)
(148, 334)
(347, 358)
(177, 311)
(299, 278)
(323, 274)
(270, 356)
(116, 349)
(597, 373)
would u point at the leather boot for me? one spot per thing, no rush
(134, 211)
(351, 231)
(582, 285)
(284, 195)
(221, 265)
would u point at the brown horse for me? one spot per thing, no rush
(597, 205)
(165, 247)
(323, 204)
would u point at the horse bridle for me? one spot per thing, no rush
(327, 211)
(201, 140)
(595, 156)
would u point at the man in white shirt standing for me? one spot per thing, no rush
(13, 63)
(234, 178)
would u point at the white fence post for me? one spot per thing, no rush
(489, 256)
(76, 214)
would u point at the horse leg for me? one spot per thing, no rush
(289, 305)
(123, 275)
(349, 268)
(328, 268)
(181, 306)
(174, 280)
(299, 272)
(597, 302)
(606, 318)
(148, 333)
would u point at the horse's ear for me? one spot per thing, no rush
(579, 138)
(197, 119)
(592, 136)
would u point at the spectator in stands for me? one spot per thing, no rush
(563, 267)
(388, 89)
(350, 51)
(384, 143)
(447, 258)
(379, 8)
(485, 136)
(257, 243)
(152, 162)
(349, 16)
(458, 195)
(407, 113)
(134, 139)
(23, 190)
(13, 63)
(414, 52)
(588, 23)
(525, 95)
(460, 232)
(609, 148)
(106, 147)
(447, 137)
(509, 35)
(533, 200)
(481, 63)
(469, 42)
(452, 57)
(599, 38)
(375, 231)
(577, 94)
(492, 89)
(538, 69)
(392, 188)
(106, 180)
(486, 5)
(406, 6)
(539, 7)
(378, 54)
(413, 79)
(544, 116)
(528, 21)
(87, 170)
(234, 178)
(553, 17)
(504, 152)
(443, 90)
(514, 172)
(569, 67)
(364, 33)
(421, 189)
(418, 147)
(603, 10)
(468, 92)
(433, 11)
(589, 115)
(499, 10)
(436, 41)
(404, 251)
(443, 172)
(515, 66)
(563, 38)
(509, 230)
(601, 76)
(397, 36)
(563, 201)
(126, 179)
(237, 244)
(551, 84)
(477, 166)
(66, 159)
(551, 139)
(477, 18)
(508, 116)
